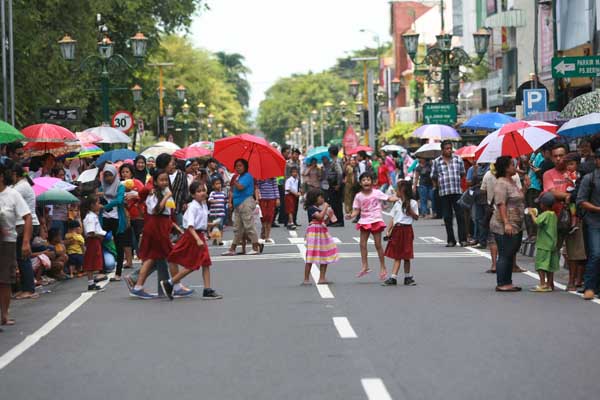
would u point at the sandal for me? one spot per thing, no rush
(540, 289)
(490, 271)
(27, 295)
(363, 272)
(115, 279)
(8, 322)
(512, 289)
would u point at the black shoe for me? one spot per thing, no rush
(390, 282)
(297, 224)
(463, 244)
(167, 288)
(210, 294)
(481, 246)
(275, 225)
(451, 244)
(337, 225)
(94, 288)
(96, 280)
(409, 281)
(291, 227)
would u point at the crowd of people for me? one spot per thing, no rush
(167, 210)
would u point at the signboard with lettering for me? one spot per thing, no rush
(61, 114)
(575, 67)
(439, 113)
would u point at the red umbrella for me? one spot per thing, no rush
(191, 152)
(360, 148)
(48, 133)
(466, 152)
(57, 149)
(264, 161)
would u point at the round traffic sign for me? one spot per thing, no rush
(123, 121)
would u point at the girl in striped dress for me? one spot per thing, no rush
(320, 247)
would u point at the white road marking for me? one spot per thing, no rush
(370, 240)
(278, 256)
(323, 290)
(431, 239)
(375, 389)
(293, 233)
(296, 240)
(48, 327)
(337, 240)
(344, 328)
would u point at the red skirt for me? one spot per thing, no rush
(400, 246)
(188, 254)
(290, 203)
(375, 227)
(93, 260)
(156, 243)
(267, 207)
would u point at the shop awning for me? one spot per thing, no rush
(510, 18)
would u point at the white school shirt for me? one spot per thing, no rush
(196, 215)
(400, 217)
(291, 185)
(91, 223)
(151, 202)
(26, 191)
(12, 209)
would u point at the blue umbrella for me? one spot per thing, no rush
(587, 125)
(317, 153)
(116, 155)
(488, 121)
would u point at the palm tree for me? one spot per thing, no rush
(236, 74)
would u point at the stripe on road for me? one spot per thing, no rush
(357, 240)
(375, 389)
(293, 234)
(323, 290)
(278, 256)
(344, 328)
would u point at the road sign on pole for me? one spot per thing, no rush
(534, 101)
(439, 113)
(575, 67)
(123, 121)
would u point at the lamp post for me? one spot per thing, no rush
(136, 92)
(444, 60)
(105, 60)
(201, 110)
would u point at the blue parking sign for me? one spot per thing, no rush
(534, 101)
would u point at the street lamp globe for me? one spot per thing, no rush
(67, 47)
(185, 108)
(180, 90)
(395, 86)
(343, 106)
(211, 119)
(411, 42)
(444, 41)
(201, 108)
(169, 110)
(358, 105)
(353, 85)
(481, 39)
(328, 106)
(314, 114)
(136, 91)
(139, 43)
(105, 48)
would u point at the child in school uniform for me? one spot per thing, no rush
(93, 260)
(292, 194)
(547, 256)
(401, 235)
(191, 251)
(217, 205)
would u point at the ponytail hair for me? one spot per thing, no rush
(19, 171)
(158, 193)
(87, 203)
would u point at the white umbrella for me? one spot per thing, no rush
(159, 148)
(429, 150)
(393, 147)
(109, 135)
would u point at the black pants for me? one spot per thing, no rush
(111, 224)
(450, 208)
(283, 218)
(335, 198)
(137, 226)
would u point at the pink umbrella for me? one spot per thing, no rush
(48, 133)
(88, 137)
(360, 148)
(43, 184)
(191, 152)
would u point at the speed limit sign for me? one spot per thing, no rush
(123, 121)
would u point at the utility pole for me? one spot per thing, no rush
(161, 91)
(366, 85)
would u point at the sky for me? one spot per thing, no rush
(283, 37)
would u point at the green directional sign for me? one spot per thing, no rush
(575, 67)
(439, 113)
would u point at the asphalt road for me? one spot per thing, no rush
(449, 337)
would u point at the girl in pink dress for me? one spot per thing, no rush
(367, 203)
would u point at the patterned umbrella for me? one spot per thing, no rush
(57, 149)
(582, 105)
(89, 150)
(88, 137)
(109, 135)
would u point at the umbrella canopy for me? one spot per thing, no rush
(204, 144)
(88, 137)
(89, 150)
(57, 149)
(393, 147)
(514, 140)
(488, 121)
(429, 150)
(159, 148)
(264, 161)
(360, 148)
(56, 196)
(583, 126)
(317, 153)
(191, 152)
(9, 133)
(437, 132)
(116, 155)
(109, 135)
(43, 184)
(582, 105)
(48, 133)
(466, 152)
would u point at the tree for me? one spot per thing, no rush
(290, 100)
(236, 74)
(348, 69)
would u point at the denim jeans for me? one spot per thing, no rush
(450, 208)
(27, 280)
(481, 228)
(425, 193)
(592, 267)
(507, 249)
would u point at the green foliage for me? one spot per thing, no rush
(347, 69)
(290, 101)
(400, 132)
(477, 72)
(236, 74)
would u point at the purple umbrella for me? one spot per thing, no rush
(437, 132)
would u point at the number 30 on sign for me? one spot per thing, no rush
(123, 121)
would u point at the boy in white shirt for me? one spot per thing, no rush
(292, 194)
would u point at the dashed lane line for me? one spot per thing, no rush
(375, 389)
(344, 328)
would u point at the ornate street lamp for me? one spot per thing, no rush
(67, 47)
(395, 86)
(180, 90)
(343, 106)
(201, 108)
(481, 39)
(211, 119)
(139, 42)
(136, 91)
(328, 106)
(185, 108)
(411, 43)
(353, 86)
(376, 85)
(358, 105)
(105, 48)
(169, 110)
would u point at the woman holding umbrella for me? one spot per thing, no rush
(244, 205)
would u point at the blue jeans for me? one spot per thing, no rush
(425, 193)
(27, 276)
(592, 246)
(481, 228)
(507, 249)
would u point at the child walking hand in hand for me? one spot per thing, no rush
(191, 251)
(320, 247)
(367, 203)
(400, 232)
